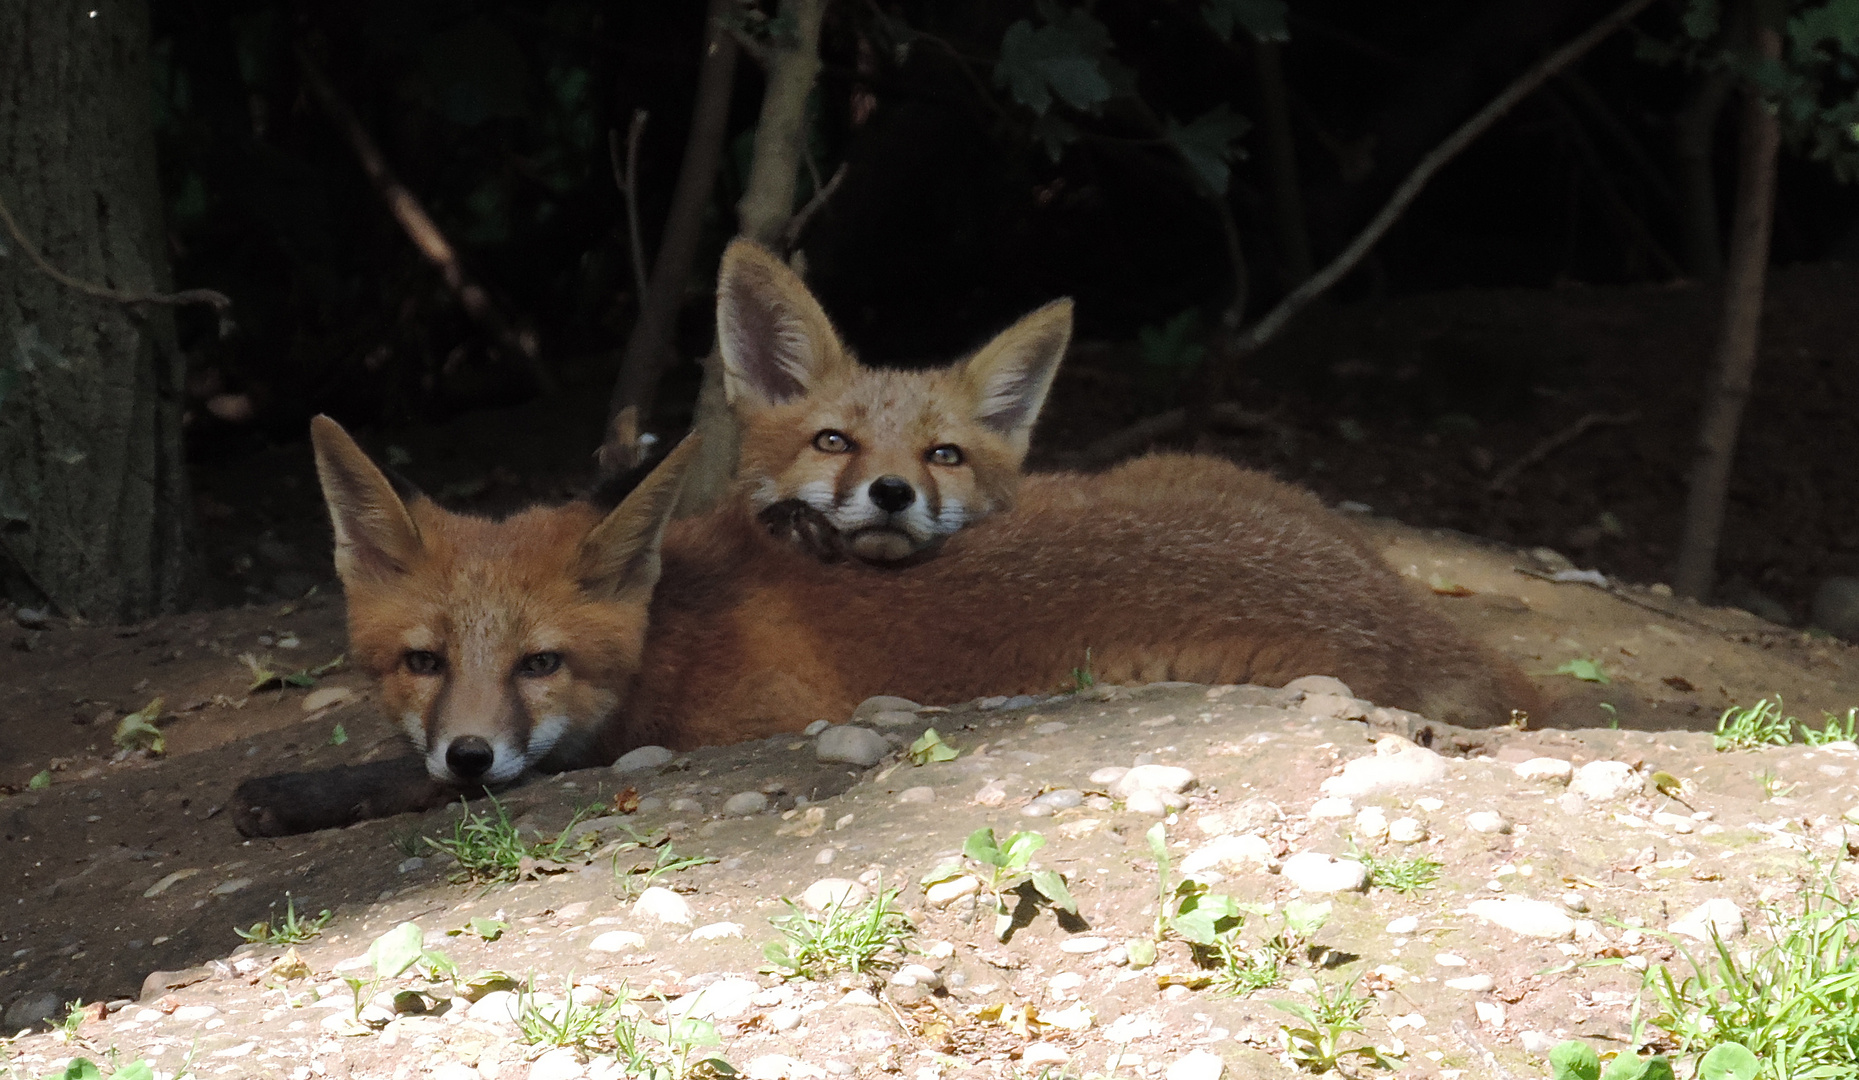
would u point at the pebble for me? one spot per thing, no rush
(1230, 852)
(1574, 901)
(944, 893)
(1320, 684)
(993, 793)
(1335, 808)
(1152, 803)
(892, 719)
(1475, 984)
(1161, 779)
(1395, 764)
(561, 1063)
(1447, 959)
(643, 759)
(1052, 802)
(1718, 913)
(324, 696)
(1602, 781)
(1530, 918)
(916, 975)
(1678, 823)
(725, 999)
(1406, 831)
(784, 1019)
(1051, 727)
(31, 1008)
(780, 1067)
(1334, 707)
(834, 892)
(1197, 1065)
(1313, 871)
(664, 905)
(407, 866)
(1535, 1042)
(686, 805)
(744, 803)
(496, 1007)
(825, 857)
(1372, 822)
(922, 793)
(852, 745)
(816, 727)
(454, 1070)
(884, 703)
(860, 997)
(1545, 770)
(1043, 1054)
(1020, 701)
(715, 930)
(1080, 945)
(188, 1014)
(1487, 821)
(617, 941)
(1110, 774)
(1490, 1013)
(1404, 925)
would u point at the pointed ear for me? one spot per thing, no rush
(1009, 377)
(375, 536)
(619, 559)
(776, 342)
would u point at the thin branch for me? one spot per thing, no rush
(1143, 432)
(797, 225)
(219, 301)
(421, 229)
(1556, 441)
(627, 180)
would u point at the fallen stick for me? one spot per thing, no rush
(1150, 428)
(1556, 441)
(627, 180)
(220, 302)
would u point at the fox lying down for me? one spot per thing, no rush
(563, 636)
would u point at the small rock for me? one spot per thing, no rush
(407, 866)
(784, 1019)
(1172, 779)
(892, 719)
(1678, 823)
(1051, 727)
(916, 975)
(1447, 959)
(1529, 918)
(725, 999)
(780, 1066)
(716, 930)
(664, 905)
(884, 703)
(834, 892)
(1404, 925)
(1152, 803)
(643, 759)
(744, 803)
(1020, 701)
(1053, 801)
(858, 998)
(1334, 707)
(1487, 821)
(816, 727)
(1320, 684)
(922, 793)
(1603, 781)
(1395, 764)
(1080, 945)
(992, 793)
(454, 1070)
(1108, 775)
(324, 696)
(29, 619)
(944, 893)
(1474, 984)
(34, 1007)
(825, 857)
(1719, 914)
(227, 888)
(1313, 871)
(1331, 809)
(1197, 1065)
(1490, 1013)
(1041, 1055)
(1574, 901)
(1372, 822)
(1230, 852)
(1545, 770)
(617, 941)
(852, 745)
(1406, 831)
(192, 1013)
(561, 1063)
(1535, 1042)
(496, 1007)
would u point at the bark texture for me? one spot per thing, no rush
(94, 508)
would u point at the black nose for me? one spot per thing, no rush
(892, 493)
(469, 757)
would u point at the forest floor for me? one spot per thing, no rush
(123, 865)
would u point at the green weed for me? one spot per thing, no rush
(1406, 875)
(930, 747)
(639, 877)
(1316, 1045)
(1754, 726)
(1833, 729)
(489, 850)
(841, 938)
(1003, 867)
(292, 930)
(1083, 678)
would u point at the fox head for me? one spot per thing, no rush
(498, 645)
(894, 460)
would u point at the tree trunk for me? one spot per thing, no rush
(1281, 162)
(650, 349)
(762, 214)
(1693, 130)
(94, 509)
(1727, 390)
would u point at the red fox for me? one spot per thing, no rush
(892, 462)
(562, 636)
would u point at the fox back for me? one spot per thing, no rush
(893, 461)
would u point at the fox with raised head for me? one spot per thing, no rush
(877, 464)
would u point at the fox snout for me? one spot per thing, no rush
(891, 494)
(469, 758)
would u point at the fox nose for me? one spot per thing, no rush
(892, 493)
(469, 757)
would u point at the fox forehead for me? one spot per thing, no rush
(890, 407)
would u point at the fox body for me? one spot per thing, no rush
(889, 462)
(563, 636)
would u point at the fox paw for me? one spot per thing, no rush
(795, 523)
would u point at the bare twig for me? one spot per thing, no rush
(1551, 443)
(421, 229)
(220, 302)
(1150, 428)
(797, 225)
(627, 180)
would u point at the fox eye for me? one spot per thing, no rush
(422, 662)
(538, 664)
(832, 442)
(946, 454)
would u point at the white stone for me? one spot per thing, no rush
(916, 975)
(815, 728)
(1406, 831)
(664, 905)
(725, 999)
(1108, 775)
(784, 1019)
(1490, 1013)
(1315, 872)
(1404, 925)
(1530, 918)
(852, 745)
(1197, 1065)
(1602, 781)
(1679, 823)
(1372, 822)
(643, 759)
(617, 941)
(834, 892)
(922, 793)
(1230, 852)
(1043, 1054)
(1545, 770)
(744, 803)
(780, 1066)
(883, 703)
(496, 1007)
(1152, 803)
(189, 1014)
(454, 1070)
(1474, 984)
(944, 893)
(324, 696)
(1078, 945)
(1334, 707)
(561, 1063)
(714, 931)
(1320, 684)
(1429, 804)
(1447, 959)
(1487, 821)
(1395, 764)
(1536, 1042)
(1332, 809)
(1720, 914)
(1172, 779)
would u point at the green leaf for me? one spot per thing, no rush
(1003, 922)
(1052, 887)
(1019, 849)
(488, 929)
(1574, 1060)
(397, 950)
(1585, 670)
(1206, 143)
(1158, 846)
(338, 736)
(945, 872)
(1303, 918)
(930, 747)
(983, 848)
(1203, 918)
(1729, 1061)
(78, 1069)
(138, 1069)
(40, 780)
(1063, 58)
(1633, 1067)
(1174, 344)
(137, 731)
(1263, 19)
(690, 1031)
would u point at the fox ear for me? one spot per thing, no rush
(1010, 375)
(619, 559)
(777, 343)
(375, 536)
